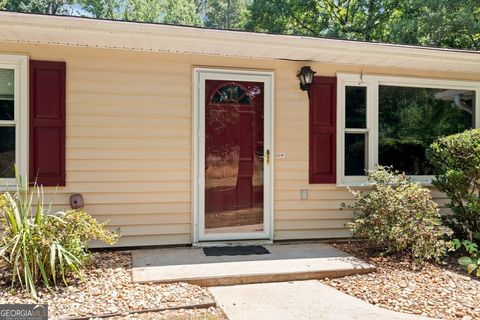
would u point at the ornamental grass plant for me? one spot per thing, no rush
(42, 247)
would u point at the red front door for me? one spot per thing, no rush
(234, 149)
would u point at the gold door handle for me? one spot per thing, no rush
(267, 156)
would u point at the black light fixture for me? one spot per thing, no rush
(306, 77)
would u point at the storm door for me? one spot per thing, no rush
(234, 160)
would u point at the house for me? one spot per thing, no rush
(178, 135)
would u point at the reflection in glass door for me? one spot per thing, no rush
(234, 157)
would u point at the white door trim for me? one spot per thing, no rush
(199, 77)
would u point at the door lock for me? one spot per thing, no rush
(267, 156)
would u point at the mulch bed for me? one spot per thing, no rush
(108, 288)
(438, 291)
(201, 314)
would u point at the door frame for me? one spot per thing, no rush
(201, 74)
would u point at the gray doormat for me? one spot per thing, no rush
(235, 251)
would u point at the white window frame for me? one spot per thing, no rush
(372, 83)
(19, 63)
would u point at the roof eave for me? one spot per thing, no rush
(68, 31)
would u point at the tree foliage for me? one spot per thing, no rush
(353, 19)
(37, 6)
(224, 14)
(143, 10)
(105, 9)
(3, 4)
(182, 12)
(442, 23)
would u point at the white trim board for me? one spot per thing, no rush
(199, 77)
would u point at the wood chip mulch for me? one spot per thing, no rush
(437, 291)
(200, 314)
(108, 288)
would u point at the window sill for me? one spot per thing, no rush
(425, 181)
(8, 185)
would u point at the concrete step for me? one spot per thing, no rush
(286, 262)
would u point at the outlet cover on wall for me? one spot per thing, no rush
(304, 194)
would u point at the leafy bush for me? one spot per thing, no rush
(399, 216)
(456, 159)
(41, 246)
(471, 262)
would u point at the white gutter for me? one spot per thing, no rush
(71, 31)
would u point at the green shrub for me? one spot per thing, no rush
(399, 216)
(40, 246)
(456, 160)
(471, 261)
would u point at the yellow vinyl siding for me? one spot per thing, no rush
(129, 142)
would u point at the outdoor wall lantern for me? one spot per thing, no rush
(306, 77)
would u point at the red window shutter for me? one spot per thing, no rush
(47, 123)
(323, 98)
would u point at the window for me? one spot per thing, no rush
(392, 120)
(231, 94)
(7, 130)
(235, 94)
(13, 121)
(356, 130)
(410, 119)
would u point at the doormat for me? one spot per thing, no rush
(235, 251)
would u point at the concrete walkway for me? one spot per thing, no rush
(299, 300)
(284, 262)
